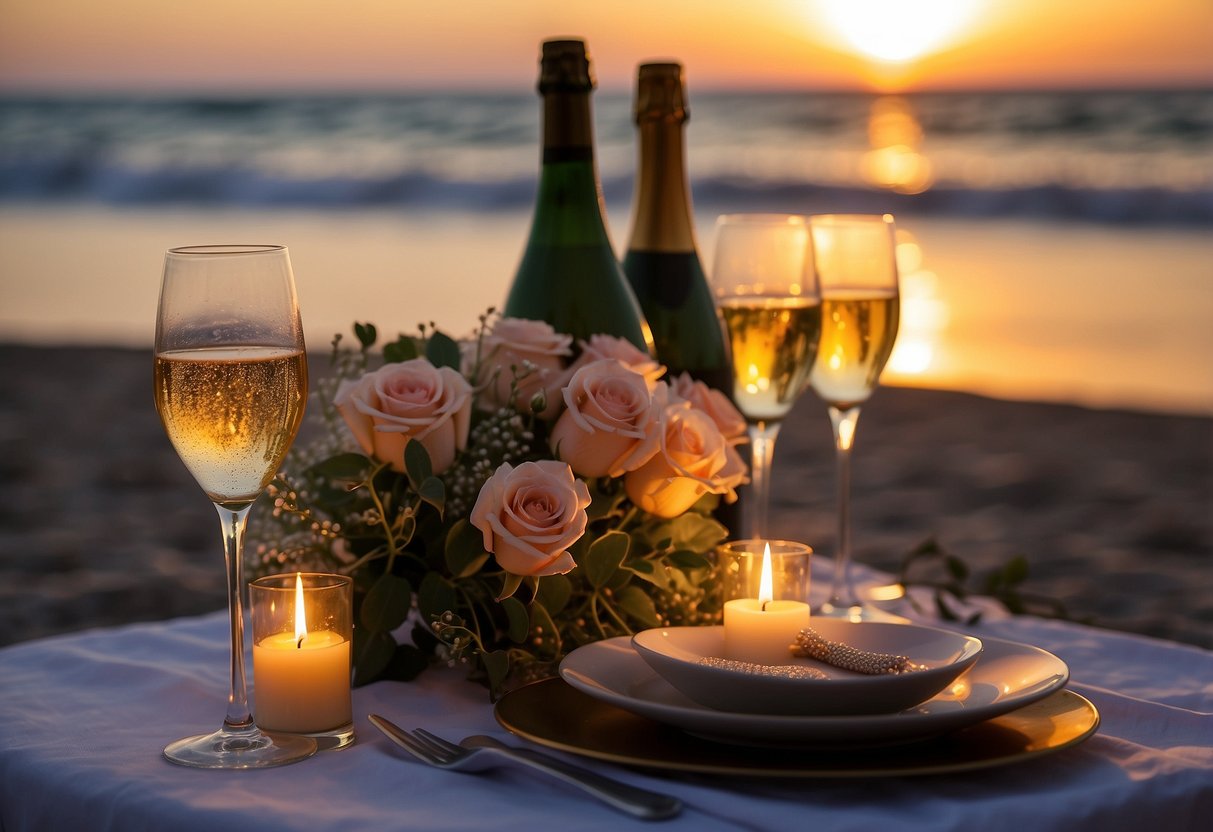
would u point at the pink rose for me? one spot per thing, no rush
(531, 515)
(694, 458)
(516, 342)
(410, 400)
(611, 420)
(623, 351)
(712, 402)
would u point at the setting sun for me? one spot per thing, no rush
(896, 30)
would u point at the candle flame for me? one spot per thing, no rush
(766, 590)
(300, 616)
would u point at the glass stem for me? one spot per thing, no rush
(844, 421)
(234, 522)
(762, 450)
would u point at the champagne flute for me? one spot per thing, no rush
(766, 291)
(856, 263)
(230, 384)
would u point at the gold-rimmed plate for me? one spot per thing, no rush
(554, 714)
(1007, 677)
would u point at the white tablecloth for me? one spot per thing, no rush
(83, 719)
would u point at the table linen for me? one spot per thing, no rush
(84, 717)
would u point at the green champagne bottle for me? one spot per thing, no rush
(661, 261)
(569, 275)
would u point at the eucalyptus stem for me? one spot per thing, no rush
(610, 608)
(390, 538)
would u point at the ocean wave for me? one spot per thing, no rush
(1112, 157)
(78, 179)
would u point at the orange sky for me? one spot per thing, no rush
(406, 44)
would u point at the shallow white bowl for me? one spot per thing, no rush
(675, 654)
(1008, 677)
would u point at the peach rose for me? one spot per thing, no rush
(623, 351)
(531, 515)
(712, 402)
(694, 458)
(609, 425)
(409, 400)
(516, 343)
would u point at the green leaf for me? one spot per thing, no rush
(373, 650)
(957, 568)
(406, 665)
(604, 557)
(366, 334)
(509, 586)
(691, 531)
(464, 550)
(1016, 570)
(432, 491)
(348, 466)
(403, 348)
(603, 504)
(554, 592)
(386, 604)
(685, 560)
(646, 570)
(519, 619)
(443, 351)
(435, 596)
(497, 666)
(639, 605)
(417, 464)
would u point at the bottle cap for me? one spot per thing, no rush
(565, 67)
(660, 93)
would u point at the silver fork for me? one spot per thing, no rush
(479, 753)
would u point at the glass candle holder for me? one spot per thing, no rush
(302, 638)
(740, 565)
(763, 613)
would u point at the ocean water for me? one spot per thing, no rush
(1112, 157)
(1057, 244)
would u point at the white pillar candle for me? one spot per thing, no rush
(302, 687)
(302, 679)
(760, 630)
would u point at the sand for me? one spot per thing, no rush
(100, 524)
(1099, 315)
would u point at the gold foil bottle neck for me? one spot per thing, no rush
(564, 66)
(661, 93)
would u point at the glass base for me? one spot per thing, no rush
(335, 739)
(250, 748)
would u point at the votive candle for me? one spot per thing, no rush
(301, 655)
(760, 630)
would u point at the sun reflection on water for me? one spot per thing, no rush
(895, 136)
(924, 315)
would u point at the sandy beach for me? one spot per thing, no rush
(100, 524)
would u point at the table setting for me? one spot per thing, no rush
(503, 582)
(86, 751)
(619, 641)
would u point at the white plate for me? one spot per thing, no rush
(1009, 676)
(675, 653)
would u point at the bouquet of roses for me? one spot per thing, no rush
(506, 499)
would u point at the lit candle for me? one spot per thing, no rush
(302, 678)
(759, 630)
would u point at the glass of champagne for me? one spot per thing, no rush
(766, 290)
(856, 263)
(230, 385)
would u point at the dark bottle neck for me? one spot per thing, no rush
(569, 209)
(568, 127)
(661, 210)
